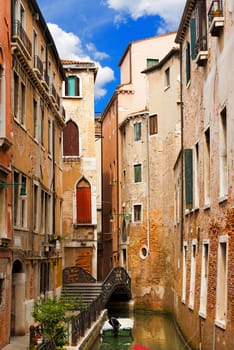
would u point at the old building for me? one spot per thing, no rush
(204, 292)
(37, 123)
(79, 167)
(128, 151)
(5, 172)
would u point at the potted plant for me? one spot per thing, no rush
(218, 13)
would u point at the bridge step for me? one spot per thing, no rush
(87, 292)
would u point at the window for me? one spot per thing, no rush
(153, 124)
(44, 277)
(2, 97)
(71, 140)
(137, 173)
(137, 131)
(16, 95)
(72, 86)
(49, 136)
(192, 274)
(137, 212)
(188, 159)
(151, 62)
(35, 120)
(188, 66)
(204, 278)
(22, 104)
(221, 297)
(167, 78)
(83, 202)
(46, 213)
(196, 176)
(184, 272)
(20, 201)
(3, 211)
(207, 167)
(35, 211)
(223, 154)
(1, 290)
(198, 33)
(42, 125)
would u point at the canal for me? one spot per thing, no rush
(152, 330)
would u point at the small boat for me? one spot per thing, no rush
(124, 330)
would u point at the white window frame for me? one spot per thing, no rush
(184, 272)
(193, 274)
(204, 277)
(222, 283)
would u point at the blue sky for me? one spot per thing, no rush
(100, 31)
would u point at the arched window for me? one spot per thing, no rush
(72, 86)
(71, 140)
(83, 202)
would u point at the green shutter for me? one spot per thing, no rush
(71, 86)
(187, 63)
(137, 131)
(137, 172)
(188, 161)
(193, 37)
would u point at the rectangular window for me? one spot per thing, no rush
(35, 202)
(22, 105)
(72, 86)
(167, 78)
(42, 125)
(222, 280)
(137, 131)
(188, 159)
(137, 212)
(204, 278)
(16, 96)
(35, 120)
(188, 65)
(49, 137)
(153, 124)
(207, 167)
(137, 173)
(20, 200)
(192, 274)
(151, 62)
(3, 212)
(184, 272)
(1, 290)
(196, 176)
(223, 154)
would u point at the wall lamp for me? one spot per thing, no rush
(22, 184)
(125, 216)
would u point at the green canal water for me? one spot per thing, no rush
(154, 331)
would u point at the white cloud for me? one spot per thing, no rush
(69, 46)
(169, 10)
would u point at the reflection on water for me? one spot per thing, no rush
(154, 331)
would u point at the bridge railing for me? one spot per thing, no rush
(116, 278)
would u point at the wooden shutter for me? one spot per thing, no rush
(83, 197)
(193, 37)
(71, 140)
(188, 63)
(137, 172)
(188, 159)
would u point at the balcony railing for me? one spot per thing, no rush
(201, 50)
(53, 91)
(38, 65)
(216, 17)
(19, 32)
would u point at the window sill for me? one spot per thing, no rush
(76, 226)
(71, 159)
(206, 206)
(202, 314)
(75, 97)
(223, 199)
(221, 324)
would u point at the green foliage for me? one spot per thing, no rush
(54, 314)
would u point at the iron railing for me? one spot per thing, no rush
(215, 10)
(19, 31)
(38, 64)
(118, 277)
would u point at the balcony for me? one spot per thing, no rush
(53, 92)
(46, 80)
(215, 18)
(21, 40)
(38, 66)
(201, 51)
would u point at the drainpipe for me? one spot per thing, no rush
(148, 185)
(53, 177)
(117, 174)
(182, 152)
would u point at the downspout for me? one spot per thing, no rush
(53, 178)
(182, 152)
(117, 174)
(148, 185)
